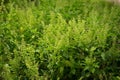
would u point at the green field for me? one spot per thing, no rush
(59, 40)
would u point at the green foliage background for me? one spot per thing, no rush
(59, 40)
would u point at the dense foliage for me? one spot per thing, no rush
(59, 40)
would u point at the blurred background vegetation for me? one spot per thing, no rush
(59, 40)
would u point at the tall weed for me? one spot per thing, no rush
(78, 40)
